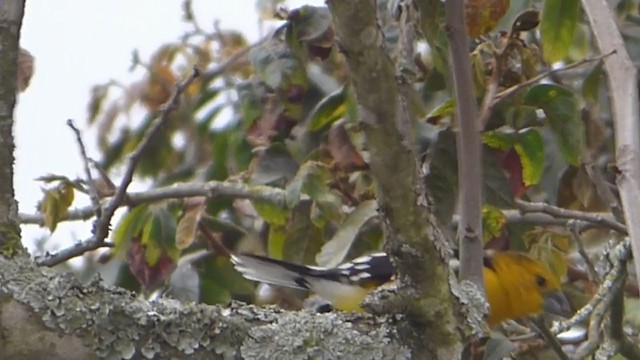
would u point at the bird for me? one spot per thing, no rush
(516, 284)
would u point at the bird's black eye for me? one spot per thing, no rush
(541, 281)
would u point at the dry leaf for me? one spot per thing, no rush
(25, 69)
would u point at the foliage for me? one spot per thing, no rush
(285, 116)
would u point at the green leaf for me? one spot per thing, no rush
(552, 257)
(442, 176)
(496, 188)
(530, 149)
(130, 225)
(310, 22)
(276, 241)
(557, 28)
(303, 239)
(591, 84)
(274, 166)
(312, 179)
(501, 139)
(329, 109)
(335, 250)
(560, 107)
(159, 235)
(270, 213)
(444, 110)
(493, 221)
(219, 280)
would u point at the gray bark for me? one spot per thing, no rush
(46, 314)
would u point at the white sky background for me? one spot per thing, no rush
(77, 44)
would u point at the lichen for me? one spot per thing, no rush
(10, 240)
(320, 336)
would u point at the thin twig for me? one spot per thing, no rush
(101, 226)
(103, 175)
(214, 240)
(93, 193)
(596, 218)
(505, 94)
(549, 337)
(575, 233)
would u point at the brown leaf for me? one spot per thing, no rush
(273, 123)
(513, 166)
(344, 153)
(158, 87)
(150, 277)
(576, 191)
(25, 69)
(482, 16)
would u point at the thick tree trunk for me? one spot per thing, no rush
(10, 22)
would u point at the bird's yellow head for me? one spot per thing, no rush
(518, 286)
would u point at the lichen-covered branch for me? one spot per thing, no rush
(414, 239)
(210, 189)
(10, 23)
(53, 315)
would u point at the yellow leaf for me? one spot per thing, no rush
(55, 204)
(552, 257)
(188, 225)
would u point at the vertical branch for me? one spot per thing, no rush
(468, 146)
(11, 13)
(623, 90)
(413, 239)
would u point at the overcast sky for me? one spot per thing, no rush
(77, 44)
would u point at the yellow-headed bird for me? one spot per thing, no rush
(516, 284)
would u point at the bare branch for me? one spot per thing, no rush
(623, 92)
(596, 218)
(577, 239)
(469, 147)
(91, 185)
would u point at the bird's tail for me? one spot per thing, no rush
(272, 271)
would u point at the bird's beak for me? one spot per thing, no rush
(556, 303)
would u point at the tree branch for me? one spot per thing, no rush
(11, 13)
(468, 145)
(623, 92)
(53, 315)
(102, 224)
(211, 189)
(597, 218)
(93, 192)
(414, 241)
